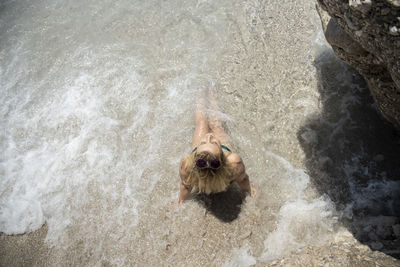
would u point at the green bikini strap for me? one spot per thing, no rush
(226, 148)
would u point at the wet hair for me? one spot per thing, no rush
(206, 180)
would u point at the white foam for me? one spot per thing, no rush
(64, 155)
(19, 215)
(241, 258)
(300, 223)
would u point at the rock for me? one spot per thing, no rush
(365, 34)
(394, 31)
(361, 5)
(396, 230)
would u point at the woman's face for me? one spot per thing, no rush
(210, 144)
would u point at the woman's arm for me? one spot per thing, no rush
(244, 182)
(240, 175)
(184, 189)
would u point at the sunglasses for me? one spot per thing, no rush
(202, 164)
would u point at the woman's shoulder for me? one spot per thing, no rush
(236, 162)
(234, 158)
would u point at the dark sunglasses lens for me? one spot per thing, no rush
(215, 164)
(201, 163)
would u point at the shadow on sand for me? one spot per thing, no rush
(353, 156)
(225, 206)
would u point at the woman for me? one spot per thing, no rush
(212, 165)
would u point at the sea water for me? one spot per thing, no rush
(97, 103)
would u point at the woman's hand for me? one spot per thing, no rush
(184, 192)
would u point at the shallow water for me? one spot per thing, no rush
(97, 109)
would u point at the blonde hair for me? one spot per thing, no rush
(206, 180)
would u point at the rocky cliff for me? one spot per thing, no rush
(366, 35)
